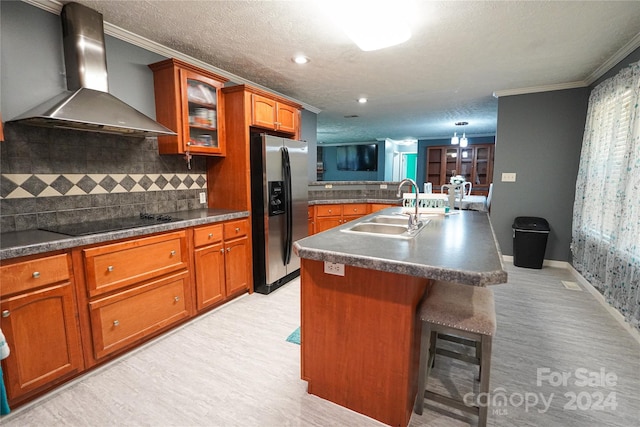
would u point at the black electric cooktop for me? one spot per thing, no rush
(106, 225)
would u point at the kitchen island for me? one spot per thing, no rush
(359, 334)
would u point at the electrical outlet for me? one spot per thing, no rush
(203, 198)
(328, 186)
(383, 186)
(334, 268)
(509, 177)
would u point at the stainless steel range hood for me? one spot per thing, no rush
(87, 105)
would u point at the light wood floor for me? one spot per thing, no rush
(233, 367)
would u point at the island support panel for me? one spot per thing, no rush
(360, 339)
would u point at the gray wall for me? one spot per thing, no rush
(309, 133)
(539, 137)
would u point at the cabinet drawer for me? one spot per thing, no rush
(26, 275)
(111, 267)
(352, 209)
(121, 319)
(235, 229)
(328, 210)
(207, 235)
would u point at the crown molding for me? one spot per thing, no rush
(55, 7)
(624, 51)
(543, 88)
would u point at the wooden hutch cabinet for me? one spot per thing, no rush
(189, 102)
(474, 162)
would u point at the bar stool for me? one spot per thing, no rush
(464, 314)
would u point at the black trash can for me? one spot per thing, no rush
(529, 241)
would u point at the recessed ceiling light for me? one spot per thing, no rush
(300, 59)
(362, 100)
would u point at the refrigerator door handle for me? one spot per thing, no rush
(286, 174)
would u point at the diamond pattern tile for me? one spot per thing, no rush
(86, 184)
(175, 181)
(6, 186)
(128, 183)
(18, 186)
(145, 182)
(161, 181)
(62, 184)
(34, 185)
(108, 183)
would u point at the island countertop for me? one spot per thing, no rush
(460, 247)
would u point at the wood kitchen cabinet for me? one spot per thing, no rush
(189, 102)
(310, 221)
(229, 178)
(329, 216)
(221, 262)
(474, 162)
(133, 290)
(237, 254)
(268, 113)
(40, 325)
(209, 265)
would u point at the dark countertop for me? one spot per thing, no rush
(460, 247)
(31, 242)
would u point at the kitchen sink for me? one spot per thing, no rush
(372, 227)
(390, 219)
(386, 226)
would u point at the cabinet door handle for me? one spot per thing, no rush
(211, 235)
(173, 253)
(36, 274)
(222, 250)
(6, 313)
(176, 299)
(237, 229)
(228, 249)
(116, 323)
(110, 268)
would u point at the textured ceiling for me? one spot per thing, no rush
(459, 55)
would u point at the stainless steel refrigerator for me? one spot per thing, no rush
(279, 199)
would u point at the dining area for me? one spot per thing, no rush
(457, 194)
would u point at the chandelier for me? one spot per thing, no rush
(462, 141)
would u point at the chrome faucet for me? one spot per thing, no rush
(413, 218)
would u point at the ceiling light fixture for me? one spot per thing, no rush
(373, 25)
(300, 59)
(462, 141)
(362, 100)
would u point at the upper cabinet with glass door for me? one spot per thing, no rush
(188, 101)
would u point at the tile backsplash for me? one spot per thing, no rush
(54, 176)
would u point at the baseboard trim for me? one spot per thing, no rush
(600, 298)
(635, 334)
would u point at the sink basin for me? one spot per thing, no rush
(390, 219)
(375, 227)
(372, 227)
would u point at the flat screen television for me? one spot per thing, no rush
(361, 157)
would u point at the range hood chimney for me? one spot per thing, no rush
(87, 104)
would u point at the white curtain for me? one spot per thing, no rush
(606, 214)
